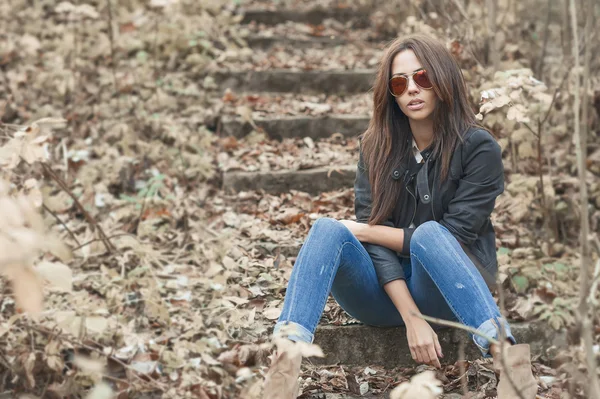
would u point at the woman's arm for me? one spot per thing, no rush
(398, 292)
(389, 237)
(422, 340)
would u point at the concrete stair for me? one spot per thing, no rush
(279, 128)
(289, 81)
(312, 181)
(358, 17)
(360, 345)
(263, 43)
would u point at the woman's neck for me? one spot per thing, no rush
(422, 131)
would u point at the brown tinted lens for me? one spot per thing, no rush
(422, 79)
(398, 85)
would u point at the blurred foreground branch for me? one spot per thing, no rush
(585, 322)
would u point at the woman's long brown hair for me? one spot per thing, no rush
(388, 136)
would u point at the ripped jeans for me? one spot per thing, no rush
(441, 278)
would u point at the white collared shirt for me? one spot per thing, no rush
(416, 151)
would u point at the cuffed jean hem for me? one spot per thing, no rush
(292, 331)
(490, 329)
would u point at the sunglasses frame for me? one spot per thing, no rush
(408, 77)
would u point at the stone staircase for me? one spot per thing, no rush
(347, 345)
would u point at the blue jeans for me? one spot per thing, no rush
(441, 278)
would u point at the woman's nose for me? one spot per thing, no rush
(412, 86)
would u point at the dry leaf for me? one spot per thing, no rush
(272, 313)
(421, 386)
(100, 391)
(88, 364)
(57, 274)
(27, 288)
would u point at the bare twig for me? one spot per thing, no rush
(464, 381)
(461, 10)
(88, 217)
(491, 340)
(540, 65)
(454, 324)
(492, 47)
(76, 342)
(594, 287)
(100, 239)
(562, 82)
(112, 45)
(141, 215)
(62, 223)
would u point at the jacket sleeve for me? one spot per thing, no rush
(386, 262)
(482, 181)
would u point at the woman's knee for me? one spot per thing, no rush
(425, 235)
(328, 225)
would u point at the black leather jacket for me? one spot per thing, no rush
(463, 203)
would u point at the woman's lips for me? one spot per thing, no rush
(416, 106)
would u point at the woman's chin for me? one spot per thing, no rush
(418, 115)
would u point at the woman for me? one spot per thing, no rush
(423, 243)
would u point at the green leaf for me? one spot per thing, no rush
(520, 283)
(205, 43)
(561, 267)
(503, 251)
(556, 267)
(128, 198)
(141, 56)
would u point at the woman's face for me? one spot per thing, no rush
(415, 102)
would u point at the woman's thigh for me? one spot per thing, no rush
(357, 290)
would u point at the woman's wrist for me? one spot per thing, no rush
(363, 233)
(409, 317)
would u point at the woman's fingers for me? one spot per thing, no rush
(434, 361)
(438, 347)
(413, 353)
(424, 354)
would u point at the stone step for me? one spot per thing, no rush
(279, 128)
(264, 42)
(345, 57)
(288, 81)
(300, 35)
(312, 181)
(360, 345)
(358, 17)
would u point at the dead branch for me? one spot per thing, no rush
(62, 223)
(491, 340)
(89, 218)
(454, 324)
(539, 69)
(493, 55)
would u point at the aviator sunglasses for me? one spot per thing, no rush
(399, 83)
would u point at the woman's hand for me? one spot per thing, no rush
(358, 229)
(423, 342)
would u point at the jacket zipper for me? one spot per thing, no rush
(415, 205)
(406, 185)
